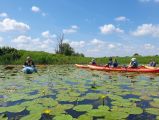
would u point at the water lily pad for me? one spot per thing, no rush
(98, 112)
(101, 107)
(36, 108)
(60, 109)
(35, 116)
(2, 117)
(145, 97)
(66, 97)
(116, 116)
(47, 102)
(74, 94)
(15, 108)
(91, 96)
(85, 117)
(63, 117)
(83, 107)
(154, 111)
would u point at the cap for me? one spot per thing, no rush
(133, 59)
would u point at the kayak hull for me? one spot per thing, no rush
(29, 70)
(81, 66)
(124, 69)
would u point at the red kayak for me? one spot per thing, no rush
(81, 66)
(124, 69)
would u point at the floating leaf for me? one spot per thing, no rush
(83, 107)
(36, 108)
(47, 102)
(2, 117)
(60, 109)
(35, 116)
(101, 107)
(98, 112)
(116, 116)
(85, 117)
(154, 111)
(15, 108)
(145, 97)
(63, 117)
(91, 96)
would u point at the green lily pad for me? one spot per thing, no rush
(15, 108)
(101, 107)
(98, 112)
(57, 110)
(85, 117)
(91, 96)
(66, 97)
(35, 116)
(63, 117)
(154, 111)
(83, 108)
(134, 99)
(47, 102)
(145, 97)
(116, 116)
(74, 94)
(3, 118)
(36, 108)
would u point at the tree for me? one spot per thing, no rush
(136, 54)
(60, 39)
(65, 48)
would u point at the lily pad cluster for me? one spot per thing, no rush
(61, 91)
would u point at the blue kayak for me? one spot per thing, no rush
(29, 70)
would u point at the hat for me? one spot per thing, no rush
(93, 59)
(133, 59)
(28, 57)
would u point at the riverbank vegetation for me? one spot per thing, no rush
(13, 56)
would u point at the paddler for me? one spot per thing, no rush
(133, 63)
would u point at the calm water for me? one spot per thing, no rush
(64, 92)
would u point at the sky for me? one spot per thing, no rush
(96, 28)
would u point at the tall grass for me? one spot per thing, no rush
(48, 58)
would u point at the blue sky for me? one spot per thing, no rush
(96, 28)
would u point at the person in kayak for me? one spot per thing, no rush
(115, 63)
(93, 62)
(110, 62)
(133, 63)
(29, 62)
(152, 63)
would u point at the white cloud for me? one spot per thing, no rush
(29, 43)
(121, 18)
(111, 46)
(97, 42)
(22, 39)
(10, 25)
(77, 44)
(147, 29)
(3, 15)
(149, 46)
(73, 29)
(47, 34)
(110, 28)
(35, 9)
(146, 1)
